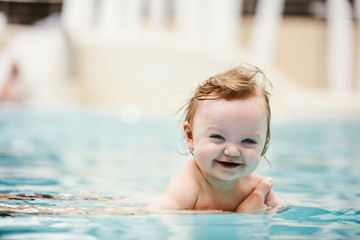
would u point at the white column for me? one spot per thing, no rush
(340, 45)
(357, 15)
(77, 15)
(188, 17)
(133, 14)
(111, 16)
(3, 22)
(264, 34)
(119, 15)
(157, 16)
(223, 22)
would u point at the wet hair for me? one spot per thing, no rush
(241, 82)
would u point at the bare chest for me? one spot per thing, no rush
(216, 201)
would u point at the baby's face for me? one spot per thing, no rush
(227, 137)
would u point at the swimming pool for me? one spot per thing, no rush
(96, 162)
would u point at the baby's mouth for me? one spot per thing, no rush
(229, 164)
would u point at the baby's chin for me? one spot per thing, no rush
(226, 176)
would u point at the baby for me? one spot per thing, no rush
(227, 130)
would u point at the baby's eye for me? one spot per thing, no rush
(249, 141)
(217, 137)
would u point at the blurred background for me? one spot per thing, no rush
(148, 55)
(139, 60)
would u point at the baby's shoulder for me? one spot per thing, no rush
(186, 177)
(183, 186)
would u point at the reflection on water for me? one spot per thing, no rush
(95, 162)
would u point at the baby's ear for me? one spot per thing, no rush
(189, 136)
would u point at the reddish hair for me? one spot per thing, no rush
(242, 82)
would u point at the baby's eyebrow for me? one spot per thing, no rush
(255, 134)
(213, 128)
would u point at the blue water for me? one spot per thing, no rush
(89, 160)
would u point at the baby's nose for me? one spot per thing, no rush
(232, 151)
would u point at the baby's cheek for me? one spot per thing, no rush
(206, 151)
(253, 154)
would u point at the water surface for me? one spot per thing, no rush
(95, 161)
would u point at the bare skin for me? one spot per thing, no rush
(185, 192)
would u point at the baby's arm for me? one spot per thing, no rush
(174, 200)
(180, 193)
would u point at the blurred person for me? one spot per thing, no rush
(33, 65)
(14, 89)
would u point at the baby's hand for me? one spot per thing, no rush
(258, 198)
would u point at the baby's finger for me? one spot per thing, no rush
(256, 200)
(263, 188)
(270, 199)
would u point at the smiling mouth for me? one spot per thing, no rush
(229, 164)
